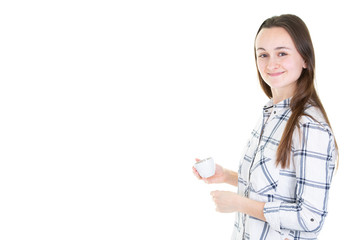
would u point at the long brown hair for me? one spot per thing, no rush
(305, 88)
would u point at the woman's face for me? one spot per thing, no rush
(278, 60)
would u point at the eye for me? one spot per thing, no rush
(282, 54)
(262, 55)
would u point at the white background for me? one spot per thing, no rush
(105, 104)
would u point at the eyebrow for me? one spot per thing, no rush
(277, 48)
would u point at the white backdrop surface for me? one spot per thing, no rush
(104, 105)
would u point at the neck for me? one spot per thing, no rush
(280, 94)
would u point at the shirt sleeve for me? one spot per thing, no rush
(314, 161)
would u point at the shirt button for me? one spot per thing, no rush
(274, 112)
(312, 219)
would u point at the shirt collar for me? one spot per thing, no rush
(281, 106)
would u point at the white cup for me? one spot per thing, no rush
(205, 167)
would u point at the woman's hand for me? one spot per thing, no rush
(218, 177)
(226, 202)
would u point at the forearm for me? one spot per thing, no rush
(251, 207)
(232, 202)
(231, 177)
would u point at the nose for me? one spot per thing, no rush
(272, 64)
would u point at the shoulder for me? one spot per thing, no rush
(314, 119)
(313, 131)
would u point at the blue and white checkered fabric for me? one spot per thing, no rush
(296, 197)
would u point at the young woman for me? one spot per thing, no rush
(285, 174)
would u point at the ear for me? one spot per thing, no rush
(304, 65)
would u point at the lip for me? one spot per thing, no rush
(275, 74)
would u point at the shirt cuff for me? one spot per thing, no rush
(272, 215)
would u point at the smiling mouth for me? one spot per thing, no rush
(275, 74)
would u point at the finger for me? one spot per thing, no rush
(197, 160)
(210, 179)
(214, 193)
(195, 172)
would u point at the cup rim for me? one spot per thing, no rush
(204, 160)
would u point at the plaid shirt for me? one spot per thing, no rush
(296, 197)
